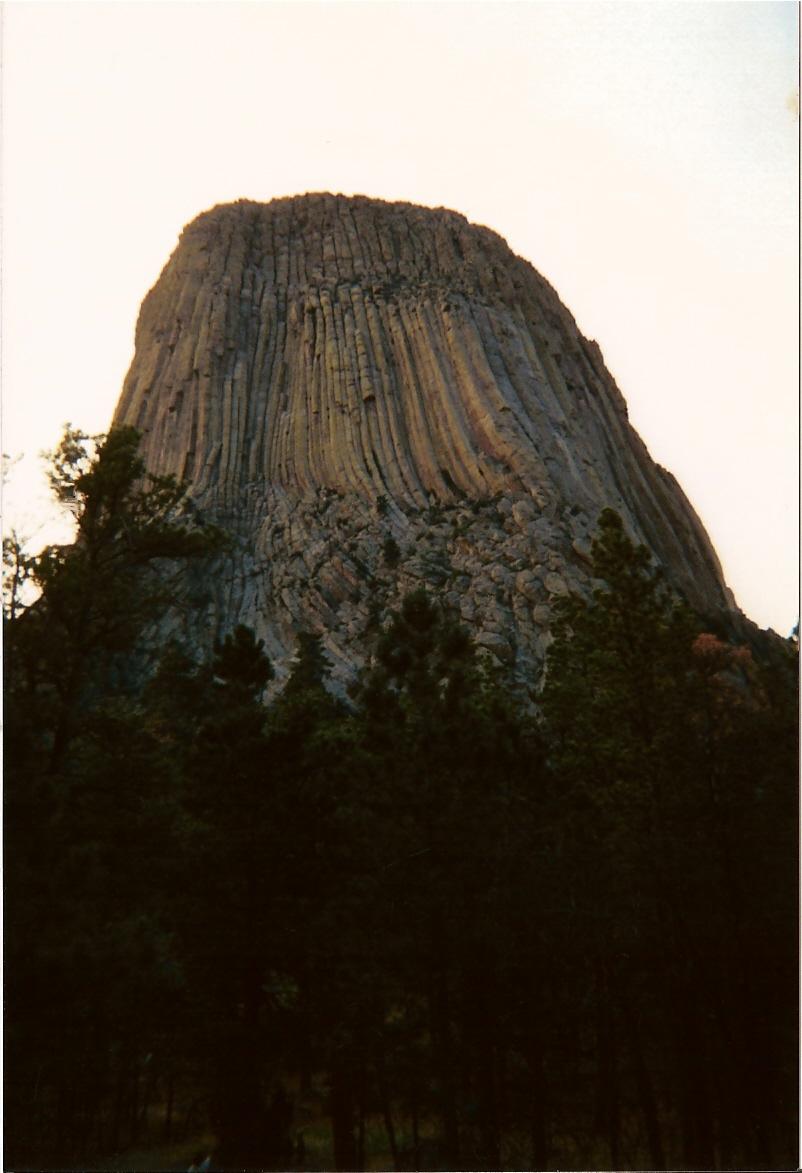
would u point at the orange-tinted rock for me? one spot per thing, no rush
(328, 372)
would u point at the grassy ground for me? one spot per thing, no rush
(314, 1128)
(156, 1159)
(312, 1124)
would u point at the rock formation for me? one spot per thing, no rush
(372, 397)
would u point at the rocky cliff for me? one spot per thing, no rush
(372, 397)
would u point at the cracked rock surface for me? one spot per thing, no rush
(372, 397)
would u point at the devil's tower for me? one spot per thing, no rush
(373, 397)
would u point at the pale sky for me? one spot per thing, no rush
(642, 155)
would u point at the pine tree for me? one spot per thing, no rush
(88, 809)
(97, 594)
(642, 716)
(453, 767)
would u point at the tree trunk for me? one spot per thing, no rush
(342, 1111)
(415, 1129)
(479, 1023)
(168, 1114)
(607, 1099)
(119, 1099)
(134, 1117)
(645, 1088)
(696, 1109)
(387, 1112)
(538, 1128)
(443, 1057)
(360, 1135)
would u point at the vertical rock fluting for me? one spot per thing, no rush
(329, 372)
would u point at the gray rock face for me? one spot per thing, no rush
(329, 373)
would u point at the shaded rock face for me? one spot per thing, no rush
(372, 397)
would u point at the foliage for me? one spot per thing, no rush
(391, 551)
(88, 808)
(499, 939)
(643, 714)
(19, 569)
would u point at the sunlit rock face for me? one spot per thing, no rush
(374, 397)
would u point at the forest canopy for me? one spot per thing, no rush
(430, 925)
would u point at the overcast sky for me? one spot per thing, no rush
(643, 156)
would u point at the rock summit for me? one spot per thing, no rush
(373, 397)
